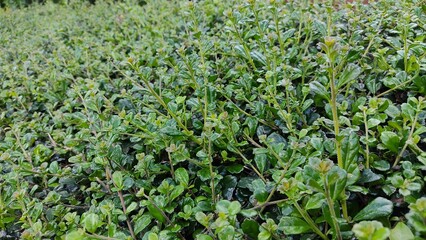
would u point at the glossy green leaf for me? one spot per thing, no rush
(315, 201)
(182, 176)
(368, 176)
(379, 207)
(156, 212)
(251, 228)
(261, 161)
(336, 179)
(318, 89)
(420, 82)
(293, 225)
(350, 73)
(372, 122)
(350, 149)
(258, 57)
(229, 183)
(176, 192)
(390, 140)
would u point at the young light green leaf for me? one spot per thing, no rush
(248, 213)
(234, 208)
(416, 216)
(153, 236)
(264, 235)
(117, 178)
(227, 233)
(75, 235)
(370, 230)
(141, 223)
(401, 231)
(372, 122)
(91, 222)
(203, 237)
(223, 206)
(202, 218)
(131, 207)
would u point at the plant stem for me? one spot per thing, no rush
(367, 151)
(370, 43)
(333, 103)
(279, 180)
(205, 113)
(394, 88)
(161, 101)
(246, 161)
(18, 140)
(212, 173)
(172, 170)
(277, 29)
(123, 205)
(162, 213)
(413, 125)
(404, 36)
(309, 220)
(271, 125)
(243, 43)
(265, 204)
(271, 194)
(261, 33)
(331, 207)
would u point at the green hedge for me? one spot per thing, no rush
(26, 3)
(213, 120)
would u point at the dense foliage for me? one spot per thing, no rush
(213, 120)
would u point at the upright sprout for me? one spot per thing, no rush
(330, 49)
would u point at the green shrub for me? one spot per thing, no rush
(213, 120)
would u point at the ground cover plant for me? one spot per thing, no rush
(213, 120)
